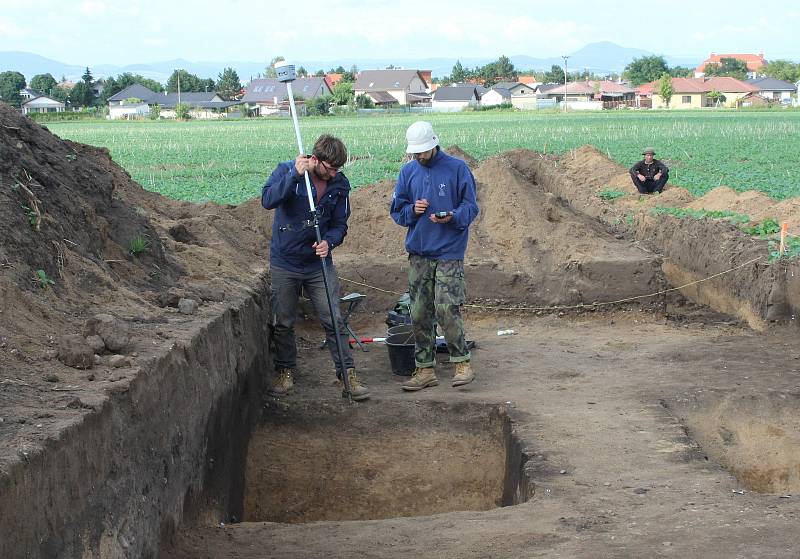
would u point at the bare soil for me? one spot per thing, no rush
(652, 427)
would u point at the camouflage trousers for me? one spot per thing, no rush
(437, 292)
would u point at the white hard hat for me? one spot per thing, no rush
(420, 137)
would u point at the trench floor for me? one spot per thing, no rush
(610, 409)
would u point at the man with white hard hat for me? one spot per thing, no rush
(435, 199)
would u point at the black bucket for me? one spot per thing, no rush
(401, 353)
(401, 329)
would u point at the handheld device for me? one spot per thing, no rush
(441, 215)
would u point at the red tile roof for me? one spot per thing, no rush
(722, 84)
(753, 61)
(332, 79)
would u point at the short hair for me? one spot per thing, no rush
(331, 150)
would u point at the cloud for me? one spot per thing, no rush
(154, 41)
(11, 30)
(92, 8)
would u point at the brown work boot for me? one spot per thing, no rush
(358, 391)
(282, 383)
(464, 374)
(423, 377)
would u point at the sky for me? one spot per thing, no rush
(90, 32)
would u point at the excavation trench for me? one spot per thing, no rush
(322, 461)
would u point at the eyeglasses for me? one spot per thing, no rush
(329, 168)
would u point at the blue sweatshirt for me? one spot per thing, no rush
(448, 186)
(293, 233)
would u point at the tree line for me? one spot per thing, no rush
(82, 93)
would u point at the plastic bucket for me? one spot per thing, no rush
(401, 329)
(401, 353)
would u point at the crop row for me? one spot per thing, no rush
(227, 161)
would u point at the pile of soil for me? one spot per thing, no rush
(68, 217)
(587, 172)
(526, 245)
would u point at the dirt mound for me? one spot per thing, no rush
(70, 221)
(57, 203)
(456, 151)
(525, 246)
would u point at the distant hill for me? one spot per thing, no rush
(602, 57)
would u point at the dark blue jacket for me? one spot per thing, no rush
(448, 185)
(293, 233)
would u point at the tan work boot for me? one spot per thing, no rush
(282, 383)
(358, 391)
(423, 377)
(464, 374)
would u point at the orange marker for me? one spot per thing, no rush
(784, 232)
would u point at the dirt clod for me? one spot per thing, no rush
(74, 351)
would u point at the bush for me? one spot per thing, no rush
(60, 117)
(182, 111)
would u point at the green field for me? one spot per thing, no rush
(228, 161)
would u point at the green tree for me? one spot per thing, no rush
(554, 75)
(665, 89)
(351, 75)
(11, 83)
(59, 94)
(207, 84)
(79, 94)
(188, 82)
(458, 74)
(502, 70)
(319, 106)
(645, 69)
(88, 92)
(319, 74)
(732, 67)
(302, 72)
(44, 83)
(343, 93)
(269, 71)
(681, 72)
(155, 112)
(782, 70)
(229, 85)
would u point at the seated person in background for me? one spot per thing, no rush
(649, 175)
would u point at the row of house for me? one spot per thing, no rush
(414, 88)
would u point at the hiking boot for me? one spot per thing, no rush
(358, 391)
(423, 377)
(282, 383)
(464, 374)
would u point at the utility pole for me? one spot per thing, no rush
(565, 82)
(179, 87)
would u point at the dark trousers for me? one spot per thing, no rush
(286, 288)
(649, 186)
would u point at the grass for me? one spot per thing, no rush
(42, 280)
(737, 219)
(228, 161)
(139, 244)
(610, 195)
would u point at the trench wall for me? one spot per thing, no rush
(759, 293)
(160, 449)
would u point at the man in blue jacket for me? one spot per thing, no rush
(295, 256)
(435, 198)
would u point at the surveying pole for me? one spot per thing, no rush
(286, 74)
